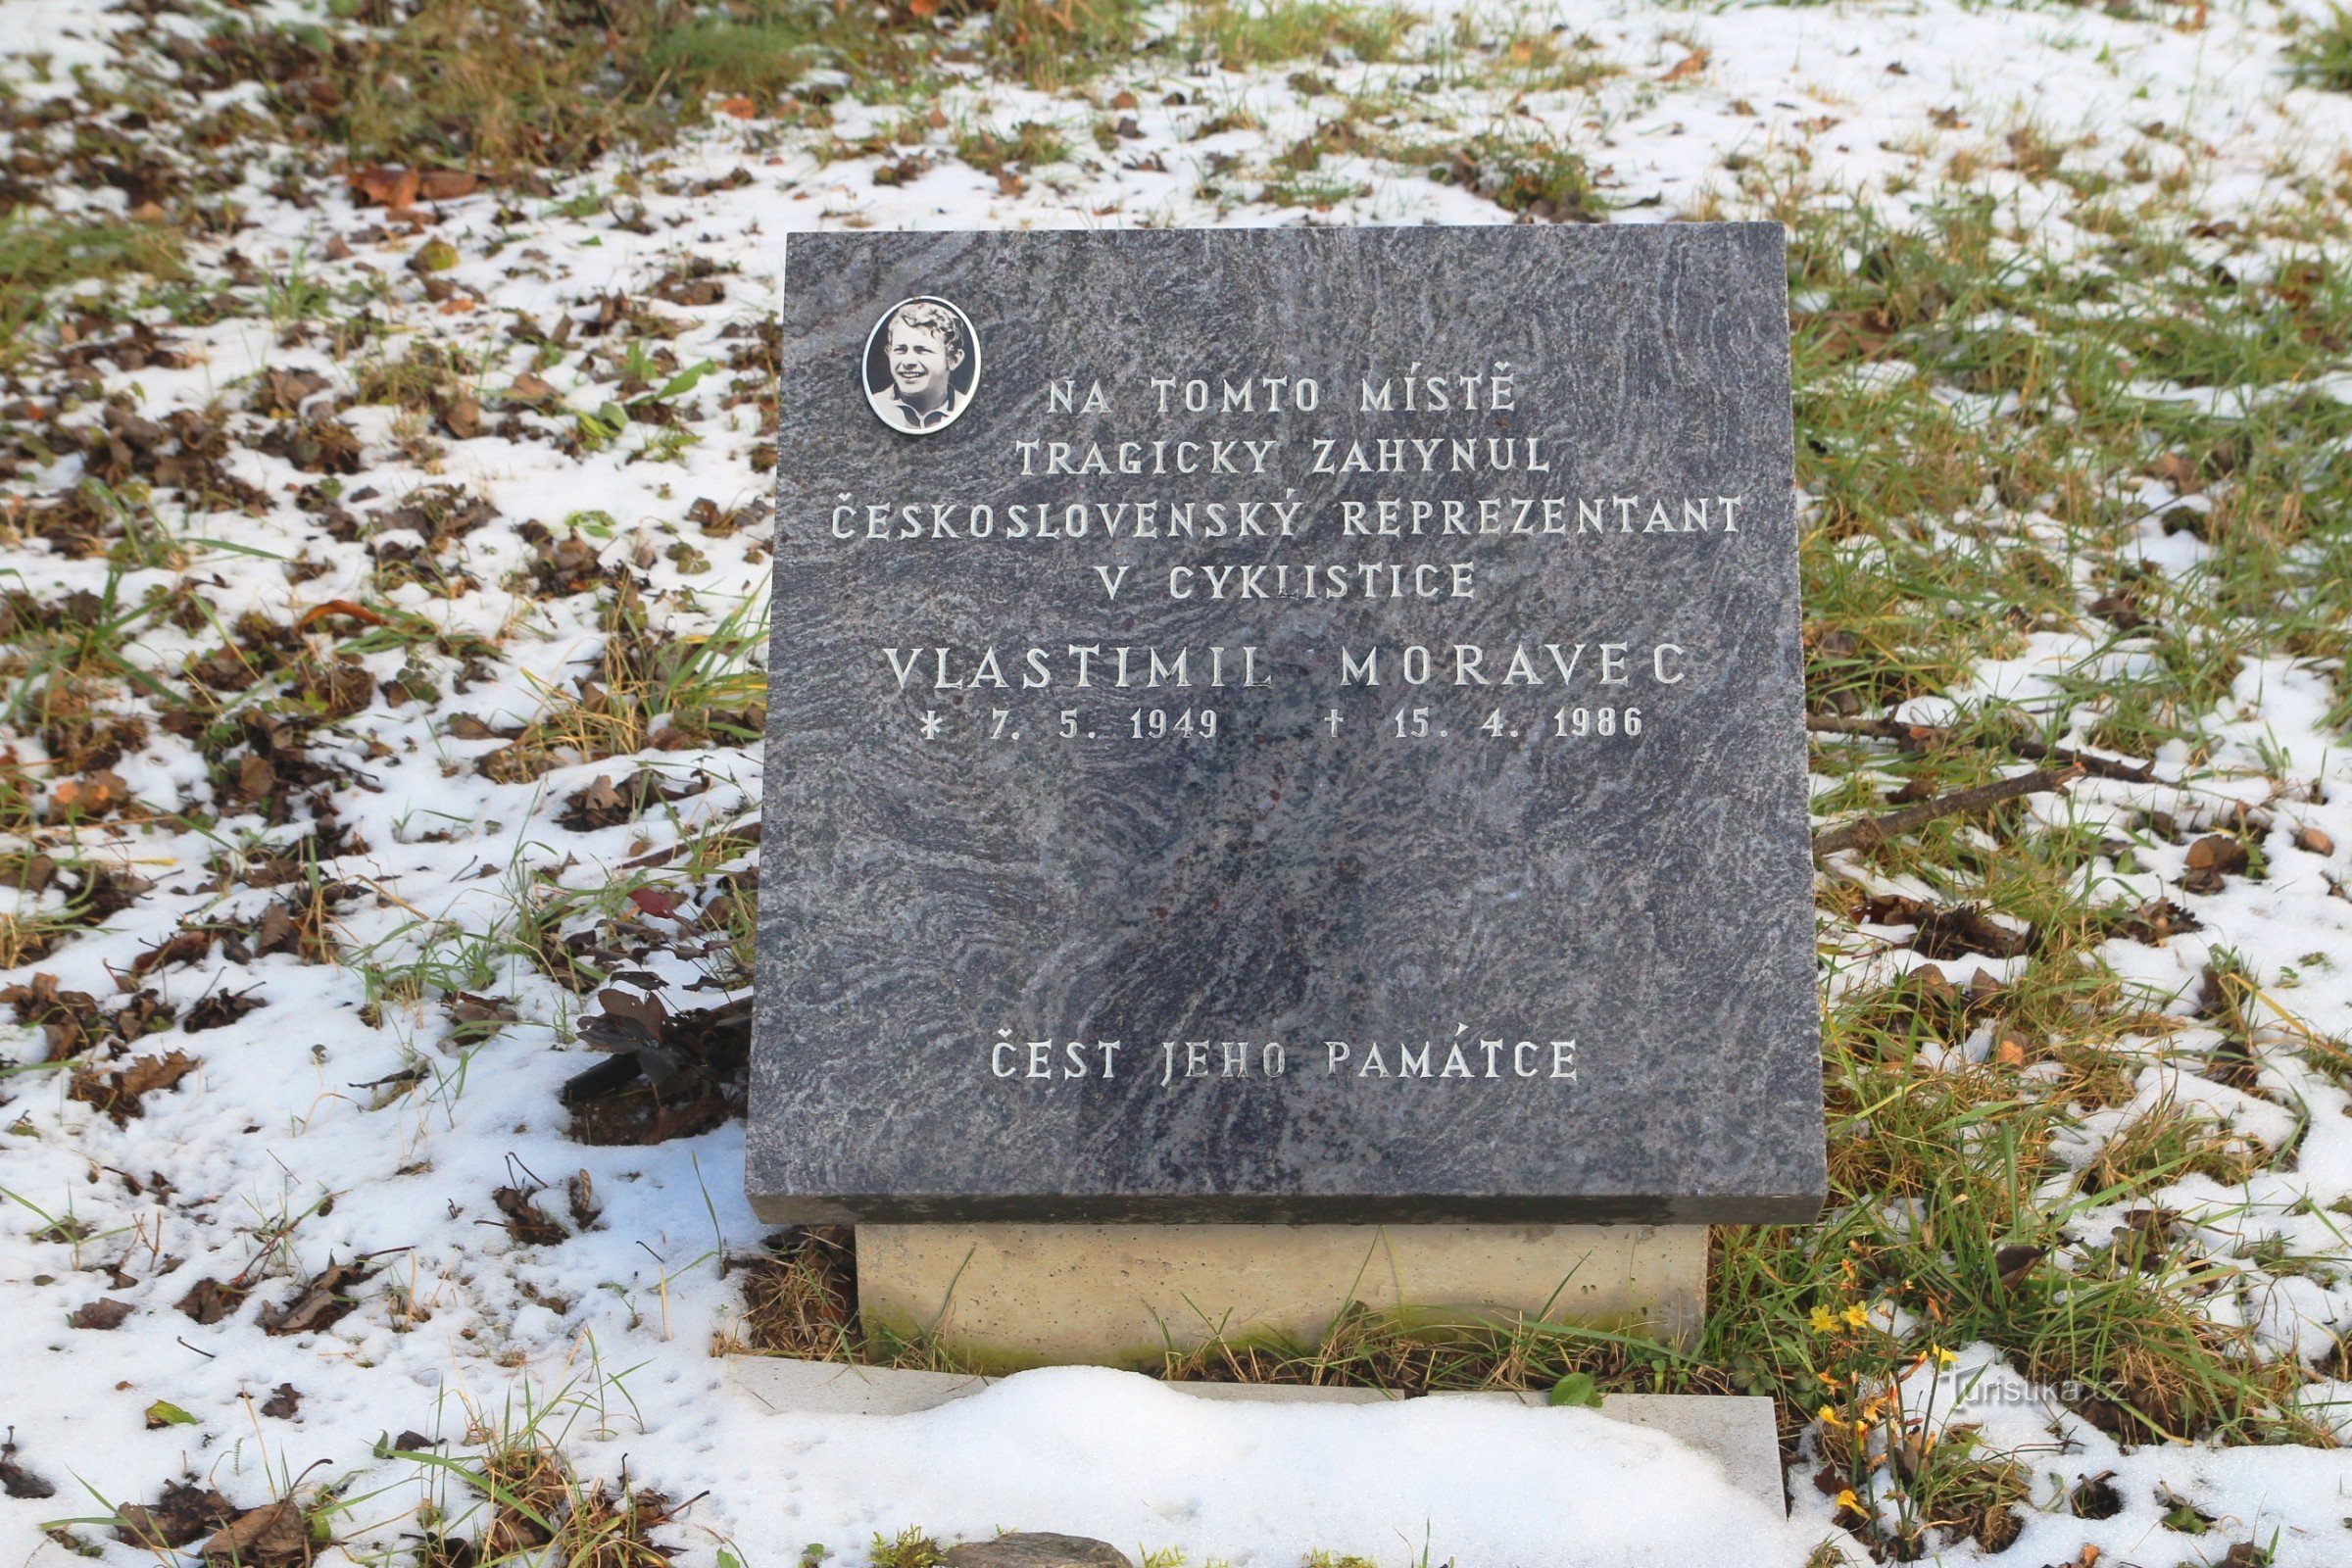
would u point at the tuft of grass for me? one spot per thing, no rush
(650, 690)
(910, 1548)
(2323, 52)
(797, 1300)
(1030, 143)
(1054, 44)
(1244, 33)
(38, 257)
(1527, 174)
(534, 1505)
(500, 85)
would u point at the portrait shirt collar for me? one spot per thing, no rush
(937, 416)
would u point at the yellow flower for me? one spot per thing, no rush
(1831, 1379)
(1948, 1358)
(1821, 1321)
(1856, 1316)
(1848, 1502)
(1829, 1413)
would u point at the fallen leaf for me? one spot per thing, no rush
(185, 1511)
(463, 419)
(467, 728)
(104, 1314)
(276, 931)
(119, 1092)
(2312, 841)
(2213, 858)
(738, 106)
(446, 184)
(1690, 66)
(272, 1536)
(2011, 1262)
(660, 903)
(163, 1413)
(325, 1301)
(19, 1481)
(92, 795)
(283, 1402)
(647, 1013)
(597, 805)
(349, 608)
(524, 1221)
(209, 1301)
(219, 1010)
(392, 188)
(579, 1194)
(189, 946)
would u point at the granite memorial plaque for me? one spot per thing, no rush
(1286, 726)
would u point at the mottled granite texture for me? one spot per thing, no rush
(924, 900)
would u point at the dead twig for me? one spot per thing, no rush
(1921, 737)
(1864, 832)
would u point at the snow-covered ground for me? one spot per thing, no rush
(345, 1121)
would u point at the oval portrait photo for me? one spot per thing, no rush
(922, 366)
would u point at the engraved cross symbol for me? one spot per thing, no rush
(1333, 720)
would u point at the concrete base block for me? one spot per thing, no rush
(1736, 1430)
(1009, 1295)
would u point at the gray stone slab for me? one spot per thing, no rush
(1736, 1430)
(1488, 897)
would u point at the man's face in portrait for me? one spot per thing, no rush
(919, 363)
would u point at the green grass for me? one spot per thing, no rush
(2323, 53)
(1026, 145)
(1953, 381)
(1245, 33)
(1524, 171)
(39, 256)
(1059, 43)
(1976, 415)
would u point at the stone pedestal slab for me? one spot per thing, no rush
(1012, 1295)
(1736, 1430)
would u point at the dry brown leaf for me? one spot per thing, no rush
(185, 1512)
(340, 607)
(392, 188)
(446, 184)
(1690, 66)
(189, 946)
(92, 795)
(104, 1314)
(274, 1536)
(119, 1092)
(209, 1301)
(322, 1303)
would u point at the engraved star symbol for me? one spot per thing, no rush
(932, 723)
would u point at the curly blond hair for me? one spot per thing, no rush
(923, 316)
